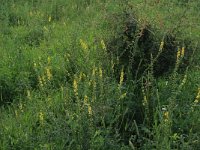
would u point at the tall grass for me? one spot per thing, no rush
(67, 76)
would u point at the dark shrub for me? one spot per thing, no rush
(138, 44)
(34, 37)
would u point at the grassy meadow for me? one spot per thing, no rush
(99, 75)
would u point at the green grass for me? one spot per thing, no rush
(63, 85)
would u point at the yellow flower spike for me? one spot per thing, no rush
(121, 77)
(16, 113)
(166, 116)
(90, 83)
(86, 103)
(89, 110)
(145, 100)
(43, 79)
(67, 59)
(184, 80)
(48, 72)
(40, 81)
(21, 107)
(94, 84)
(84, 75)
(49, 101)
(103, 45)
(28, 94)
(45, 28)
(100, 73)
(178, 54)
(85, 100)
(80, 76)
(31, 13)
(41, 117)
(182, 51)
(197, 99)
(93, 71)
(75, 87)
(117, 59)
(113, 65)
(34, 64)
(123, 96)
(49, 60)
(49, 18)
(161, 45)
(83, 44)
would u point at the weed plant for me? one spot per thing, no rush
(99, 74)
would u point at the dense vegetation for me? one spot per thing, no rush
(117, 74)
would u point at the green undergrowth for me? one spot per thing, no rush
(99, 75)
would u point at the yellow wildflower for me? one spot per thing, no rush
(94, 84)
(182, 51)
(161, 46)
(86, 103)
(75, 86)
(89, 110)
(166, 116)
(49, 60)
(41, 117)
(43, 79)
(45, 28)
(28, 94)
(80, 76)
(31, 13)
(93, 71)
(103, 45)
(90, 83)
(123, 96)
(49, 19)
(85, 100)
(178, 53)
(34, 64)
(184, 80)
(93, 97)
(62, 89)
(16, 113)
(112, 66)
(49, 75)
(84, 75)
(100, 73)
(198, 96)
(21, 107)
(83, 44)
(121, 77)
(40, 81)
(145, 100)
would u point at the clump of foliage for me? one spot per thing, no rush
(138, 44)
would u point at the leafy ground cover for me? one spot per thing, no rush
(99, 74)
